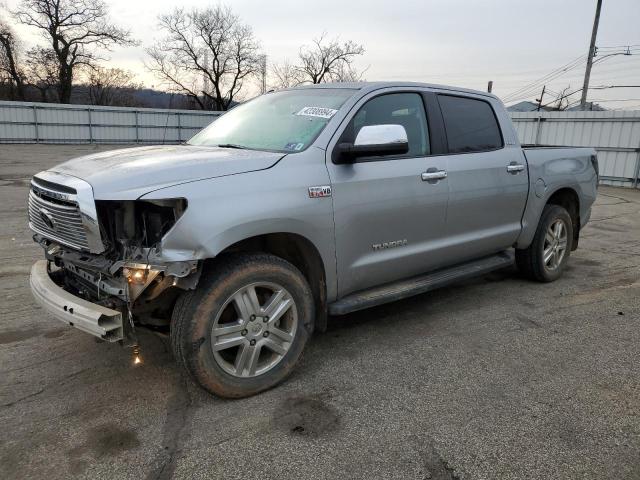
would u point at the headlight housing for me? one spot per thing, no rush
(138, 222)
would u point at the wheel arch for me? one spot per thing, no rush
(568, 198)
(564, 196)
(297, 250)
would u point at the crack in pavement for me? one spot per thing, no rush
(622, 199)
(10, 404)
(35, 364)
(179, 414)
(595, 220)
(58, 383)
(605, 251)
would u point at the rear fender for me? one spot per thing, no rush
(549, 171)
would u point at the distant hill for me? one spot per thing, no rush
(144, 98)
(148, 97)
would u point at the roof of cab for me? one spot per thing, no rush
(370, 86)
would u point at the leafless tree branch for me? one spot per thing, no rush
(285, 75)
(206, 54)
(75, 29)
(328, 60)
(111, 86)
(10, 71)
(41, 69)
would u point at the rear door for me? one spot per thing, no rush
(487, 180)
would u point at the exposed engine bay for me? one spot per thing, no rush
(122, 277)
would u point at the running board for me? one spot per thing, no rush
(421, 284)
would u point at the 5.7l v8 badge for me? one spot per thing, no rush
(320, 191)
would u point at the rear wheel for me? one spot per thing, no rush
(243, 330)
(547, 256)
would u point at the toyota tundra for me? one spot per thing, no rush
(299, 204)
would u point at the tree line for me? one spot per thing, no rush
(207, 56)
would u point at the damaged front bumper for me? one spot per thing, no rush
(99, 321)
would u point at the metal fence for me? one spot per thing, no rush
(614, 134)
(26, 122)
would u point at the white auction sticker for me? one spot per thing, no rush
(317, 112)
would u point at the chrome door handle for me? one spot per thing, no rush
(437, 175)
(515, 168)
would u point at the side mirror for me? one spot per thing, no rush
(375, 140)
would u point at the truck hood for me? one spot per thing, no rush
(127, 174)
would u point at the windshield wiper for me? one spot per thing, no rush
(231, 145)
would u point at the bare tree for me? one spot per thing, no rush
(346, 72)
(285, 75)
(10, 71)
(112, 86)
(75, 29)
(562, 100)
(206, 54)
(41, 71)
(328, 60)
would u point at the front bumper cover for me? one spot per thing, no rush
(91, 318)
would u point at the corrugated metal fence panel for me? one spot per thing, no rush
(27, 122)
(614, 134)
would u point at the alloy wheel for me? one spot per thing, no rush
(254, 329)
(555, 245)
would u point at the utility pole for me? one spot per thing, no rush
(263, 73)
(206, 87)
(540, 99)
(490, 86)
(592, 53)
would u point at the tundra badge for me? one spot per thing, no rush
(384, 245)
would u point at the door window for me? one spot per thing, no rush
(471, 125)
(405, 109)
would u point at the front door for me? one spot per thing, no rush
(389, 222)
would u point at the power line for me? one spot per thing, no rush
(537, 83)
(609, 55)
(599, 100)
(526, 92)
(603, 87)
(528, 95)
(547, 78)
(616, 100)
(562, 97)
(534, 87)
(618, 46)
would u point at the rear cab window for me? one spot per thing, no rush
(471, 124)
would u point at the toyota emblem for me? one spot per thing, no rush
(48, 219)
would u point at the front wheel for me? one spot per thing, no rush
(243, 330)
(545, 259)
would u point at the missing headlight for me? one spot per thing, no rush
(138, 222)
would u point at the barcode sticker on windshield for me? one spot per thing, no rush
(317, 112)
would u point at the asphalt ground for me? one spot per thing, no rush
(498, 377)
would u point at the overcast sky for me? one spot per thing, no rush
(457, 42)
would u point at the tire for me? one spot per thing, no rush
(244, 328)
(531, 261)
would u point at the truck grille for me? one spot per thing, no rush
(55, 216)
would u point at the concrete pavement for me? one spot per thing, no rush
(496, 378)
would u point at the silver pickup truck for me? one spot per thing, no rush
(299, 204)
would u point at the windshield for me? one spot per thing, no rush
(287, 121)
